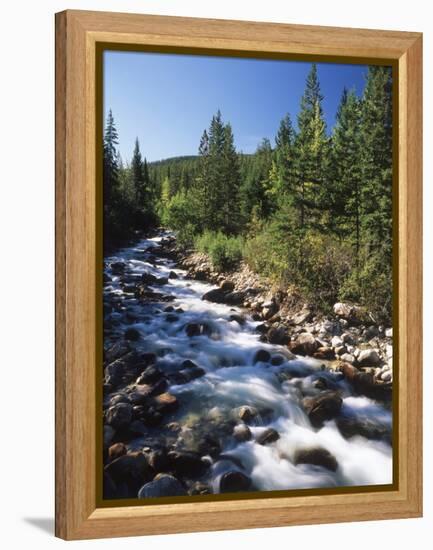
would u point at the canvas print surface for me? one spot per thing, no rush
(247, 288)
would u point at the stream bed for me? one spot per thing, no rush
(190, 386)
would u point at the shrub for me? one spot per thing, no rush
(225, 252)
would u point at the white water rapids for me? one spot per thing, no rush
(232, 380)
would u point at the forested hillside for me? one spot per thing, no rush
(311, 211)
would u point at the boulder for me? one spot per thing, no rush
(227, 286)
(172, 275)
(116, 450)
(364, 427)
(187, 463)
(323, 407)
(165, 403)
(119, 416)
(368, 358)
(164, 485)
(130, 468)
(305, 344)
(108, 435)
(240, 319)
(302, 317)
(241, 433)
(188, 364)
(316, 456)
(132, 334)
(247, 413)
(158, 460)
(150, 375)
(235, 298)
(234, 482)
(268, 436)
(343, 310)
(336, 341)
(324, 353)
(261, 356)
(118, 267)
(278, 335)
(216, 295)
(117, 350)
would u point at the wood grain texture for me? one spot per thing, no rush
(77, 34)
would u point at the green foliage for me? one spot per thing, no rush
(224, 252)
(314, 211)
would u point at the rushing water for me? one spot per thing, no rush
(232, 380)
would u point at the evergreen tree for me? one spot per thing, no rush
(137, 176)
(255, 198)
(111, 167)
(376, 159)
(282, 173)
(345, 172)
(311, 150)
(229, 185)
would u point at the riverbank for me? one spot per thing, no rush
(349, 335)
(212, 390)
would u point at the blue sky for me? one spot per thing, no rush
(167, 100)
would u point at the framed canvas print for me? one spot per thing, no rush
(238, 274)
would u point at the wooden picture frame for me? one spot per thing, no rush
(79, 34)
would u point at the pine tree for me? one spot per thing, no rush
(229, 184)
(376, 151)
(111, 167)
(137, 176)
(311, 149)
(345, 172)
(282, 176)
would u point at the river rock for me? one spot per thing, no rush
(348, 358)
(322, 407)
(132, 334)
(227, 286)
(305, 344)
(108, 435)
(302, 317)
(240, 319)
(234, 482)
(165, 403)
(370, 429)
(150, 375)
(241, 433)
(278, 335)
(188, 364)
(173, 275)
(131, 468)
(164, 485)
(316, 456)
(325, 353)
(277, 360)
(269, 435)
(247, 413)
(388, 332)
(119, 416)
(117, 350)
(158, 460)
(336, 341)
(216, 295)
(200, 488)
(187, 463)
(116, 450)
(235, 298)
(368, 358)
(261, 356)
(118, 267)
